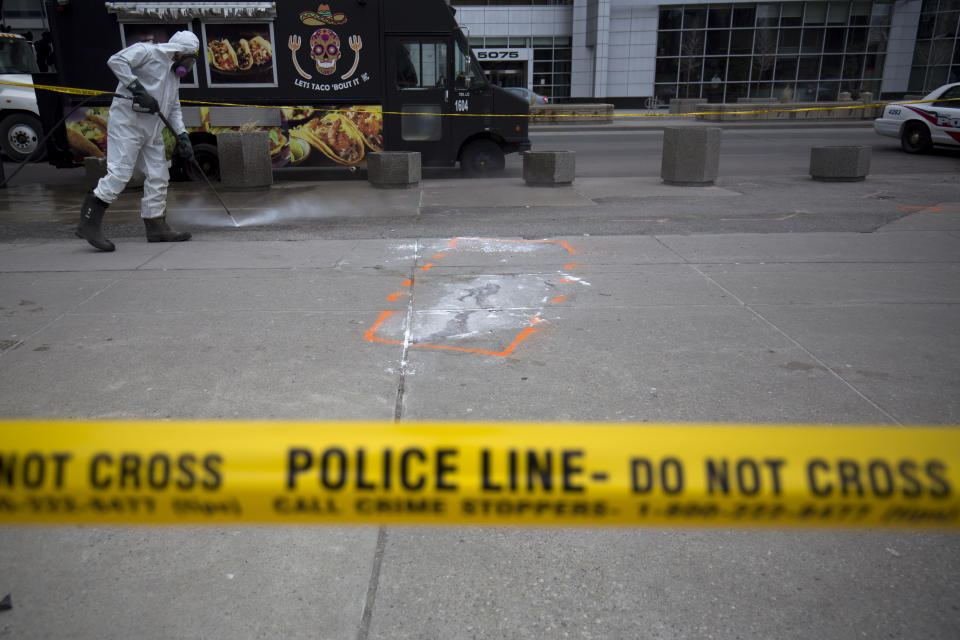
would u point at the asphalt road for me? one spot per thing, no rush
(759, 151)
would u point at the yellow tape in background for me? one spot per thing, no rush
(54, 88)
(475, 473)
(92, 92)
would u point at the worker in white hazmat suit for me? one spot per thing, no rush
(149, 75)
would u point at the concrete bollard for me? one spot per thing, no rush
(684, 105)
(245, 160)
(393, 169)
(96, 168)
(840, 164)
(868, 111)
(691, 156)
(549, 168)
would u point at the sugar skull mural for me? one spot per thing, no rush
(325, 50)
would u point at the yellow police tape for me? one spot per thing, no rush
(92, 92)
(479, 474)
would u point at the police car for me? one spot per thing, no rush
(924, 124)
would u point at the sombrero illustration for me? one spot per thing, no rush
(322, 16)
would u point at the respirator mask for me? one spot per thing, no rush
(183, 64)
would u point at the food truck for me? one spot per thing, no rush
(331, 82)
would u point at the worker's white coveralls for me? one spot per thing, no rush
(134, 139)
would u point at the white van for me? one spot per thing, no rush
(20, 128)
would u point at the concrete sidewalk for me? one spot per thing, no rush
(823, 327)
(192, 301)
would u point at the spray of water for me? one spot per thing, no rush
(259, 218)
(198, 211)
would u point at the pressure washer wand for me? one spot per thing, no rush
(199, 168)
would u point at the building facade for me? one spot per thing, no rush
(626, 51)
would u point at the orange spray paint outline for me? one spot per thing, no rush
(921, 209)
(371, 333)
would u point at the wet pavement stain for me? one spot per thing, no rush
(483, 314)
(480, 294)
(457, 326)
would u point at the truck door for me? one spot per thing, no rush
(418, 94)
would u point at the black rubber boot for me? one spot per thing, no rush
(91, 214)
(159, 231)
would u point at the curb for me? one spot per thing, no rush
(755, 124)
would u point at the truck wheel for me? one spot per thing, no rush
(915, 138)
(208, 159)
(20, 136)
(481, 158)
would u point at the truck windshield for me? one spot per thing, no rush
(16, 56)
(468, 72)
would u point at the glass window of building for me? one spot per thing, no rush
(936, 57)
(694, 17)
(808, 50)
(790, 15)
(719, 16)
(815, 14)
(671, 18)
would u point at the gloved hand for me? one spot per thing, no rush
(184, 149)
(142, 101)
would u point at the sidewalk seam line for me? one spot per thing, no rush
(366, 618)
(683, 259)
(153, 257)
(809, 353)
(364, 631)
(407, 333)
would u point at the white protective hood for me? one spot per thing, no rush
(181, 42)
